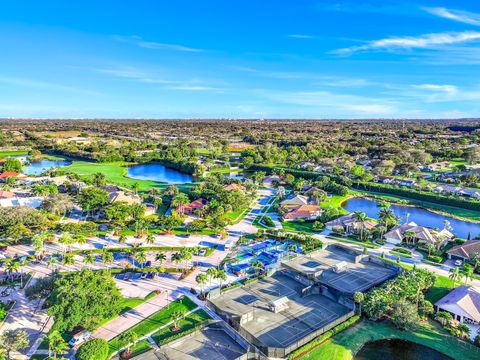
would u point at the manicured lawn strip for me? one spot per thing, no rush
(13, 153)
(347, 343)
(188, 324)
(336, 201)
(351, 241)
(141, 347)
(256, 223)
(443, 285)
(400, 254)
(295, 226)
(154, 321)
(115, 173)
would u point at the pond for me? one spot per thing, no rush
(420, 216)
(37, 167)
(395, 349)
(158, 172)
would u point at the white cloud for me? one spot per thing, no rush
(137, 40)
(456, 15)
(445, 89)
(300, 36)
(410, 42)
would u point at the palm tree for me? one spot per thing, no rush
(179, 201)
(430, 248)
(454, 274)
(68, 259)
(186, 255)
(258, 267)
(107, 258)
(176, 258)
(128, 338)
(89, 259)
(409, 235)
(464, 330)
(150, 238)
(176, 316)
(443, 317)
(56, 345)
(67, 240)
(202, 280)
(141, 257)
(359, 297)
(476, 259)
(122, 239)
(467, 272)
(361, 218)
(81, 239)
(211, 273)
(160, 257)
(52, 261)
(13, 340)
(292, 248)
(221, 276)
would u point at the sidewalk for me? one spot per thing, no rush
(134, 316)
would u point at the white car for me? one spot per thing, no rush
(79, 338)
(458, 263)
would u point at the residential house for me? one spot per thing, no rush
(303, 212)
(271, 180)
(8, 174)
(416, 234)
(435, 166)
(6, 194)
(193, 207)
(350, 224)
(234, 186)
(463, 303)
(295, 200)
(121, 196)
(465, 251)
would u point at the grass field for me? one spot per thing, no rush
(115, 174)
(187, 324)
(295, 226)
(13, 153)
(443, 285)
(347, 343)
(336, 201)
(154, 321)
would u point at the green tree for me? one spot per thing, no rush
(405, 315)
(128, 338)
(107, 258)
(89, 259)
(56, 345)
(85, 298)
(202, 280)
(454, 274)
(92, 198)
(221, 276)
(359, 298)
(160, 257)
(443, 317)
(13, 340)
(12, 164)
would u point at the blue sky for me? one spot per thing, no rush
(248, 59)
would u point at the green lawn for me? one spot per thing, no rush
(336, 201)
(13, 153)
(154, 321)
(295, 226)
(115, 173)
(346, 344)
(141, 347)
(187, 325)
(443, 285)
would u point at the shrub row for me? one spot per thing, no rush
(327, 335)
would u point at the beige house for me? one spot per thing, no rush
(417, 234)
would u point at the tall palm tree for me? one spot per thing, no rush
(467, 272)
(141, 257)
(221, 276)
(409, 235)
(176, 258)
(454, 274)
(361, 218)
(179, 201)
(56, 345)
(68, 259)
(211, 272)
(107, 258)
(52, 261)
(150, 238)
(160, 257)
(186, 255)
(258, 267)
(89, 259)
(202, 280)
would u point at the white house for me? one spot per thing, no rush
(463, 303)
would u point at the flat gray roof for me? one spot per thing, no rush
(359, 276)
(303, 316)
(212, 343)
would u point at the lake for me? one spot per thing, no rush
(37, 167)
(395, 349)
(158, 172)
(420, 216)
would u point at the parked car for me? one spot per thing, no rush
(79, 338)
(458, 263)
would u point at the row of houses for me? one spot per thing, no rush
(409, 232)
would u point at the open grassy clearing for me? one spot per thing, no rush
(13, 153)
(346, 344)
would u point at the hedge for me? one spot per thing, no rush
(131, 249)
(419, 195)
(210, 250)
(96, 349)
(325, 336)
